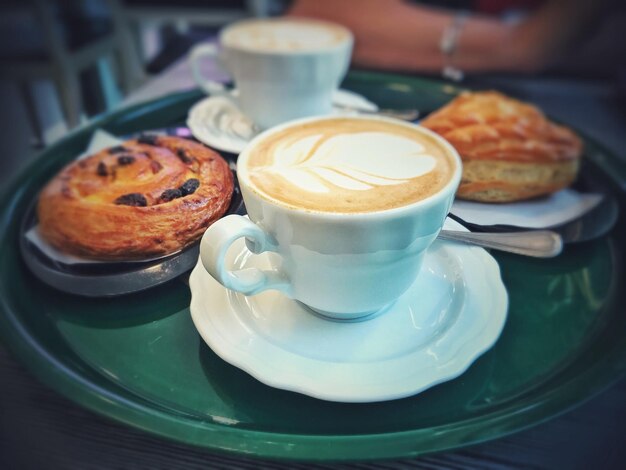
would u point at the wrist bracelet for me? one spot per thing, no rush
(448, 46)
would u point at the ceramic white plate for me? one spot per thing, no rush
(217, 122)
(453, 313)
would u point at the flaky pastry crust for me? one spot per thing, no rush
(147, 197)
(510, 150)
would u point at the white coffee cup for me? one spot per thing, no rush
(342, 253)
(283, 69)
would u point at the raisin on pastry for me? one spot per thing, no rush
(136, 200)
(510, 150)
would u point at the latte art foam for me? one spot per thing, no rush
(347, 165)
(284, 35)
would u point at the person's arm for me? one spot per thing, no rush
(395, 35)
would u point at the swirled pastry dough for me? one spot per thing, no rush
(147, 197)
(510, 150)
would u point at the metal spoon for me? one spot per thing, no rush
(536, 243)
(402, 114)
(595, 223)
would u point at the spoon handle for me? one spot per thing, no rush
(402, 114)
(537, 243)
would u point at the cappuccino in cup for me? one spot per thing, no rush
(347, 205)
(283, 68)
(348, 166)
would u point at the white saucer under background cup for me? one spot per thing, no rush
(283, 69)
(348, 205)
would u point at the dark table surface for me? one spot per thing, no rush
(41, 429)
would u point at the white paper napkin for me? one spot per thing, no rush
(99, 141)
(558, 208)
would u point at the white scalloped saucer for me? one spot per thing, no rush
(454, 311)
(216, 120)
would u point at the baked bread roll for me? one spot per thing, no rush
(148, 197)
(510, 151)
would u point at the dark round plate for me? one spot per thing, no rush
(117, 278)
(595, 223)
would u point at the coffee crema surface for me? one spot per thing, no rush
(347, 165)
(284, 35)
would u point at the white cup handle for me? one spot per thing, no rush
(217, 240)
(197, 53)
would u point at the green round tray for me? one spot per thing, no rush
(138, 358)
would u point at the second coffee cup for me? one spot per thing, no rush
(350, 205)
(283, 69)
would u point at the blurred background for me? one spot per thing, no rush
(64, 61)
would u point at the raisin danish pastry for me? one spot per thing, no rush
(148, 197)
(510, 150)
